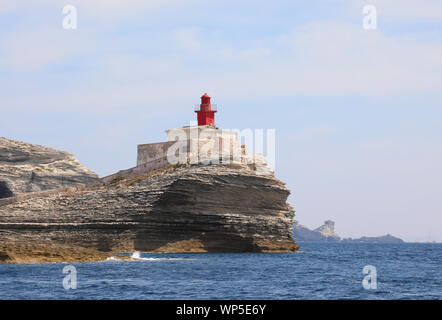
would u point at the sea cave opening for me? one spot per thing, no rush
(5, 192)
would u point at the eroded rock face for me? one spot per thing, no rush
(324, 233)
(26, 167)
(328, 231)
(216, 208)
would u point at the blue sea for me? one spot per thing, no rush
(318, 271)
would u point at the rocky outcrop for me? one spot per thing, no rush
(214, 208)
(26, 167)
(327, 230)
(324, 233)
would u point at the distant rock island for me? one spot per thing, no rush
(381, 239)
(326, 233)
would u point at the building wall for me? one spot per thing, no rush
(222, 142)
(152, 151)
(135, 171)
(202, 132)
(196, 140)
(198, 143)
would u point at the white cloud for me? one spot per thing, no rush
(336, 58)
(32, 50)
(320, 57)
(315, 132)
(327, 58)
(188, 39)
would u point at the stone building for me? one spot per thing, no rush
(200, 144)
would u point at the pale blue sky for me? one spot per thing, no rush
(357, 113)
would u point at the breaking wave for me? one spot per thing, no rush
(137, 256)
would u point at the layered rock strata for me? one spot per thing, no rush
(26, 167)
(182, 208)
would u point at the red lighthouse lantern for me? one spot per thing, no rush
(206, 116)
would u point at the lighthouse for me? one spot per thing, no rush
(206, 116)
(203, 143)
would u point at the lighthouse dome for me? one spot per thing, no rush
(205, 99)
